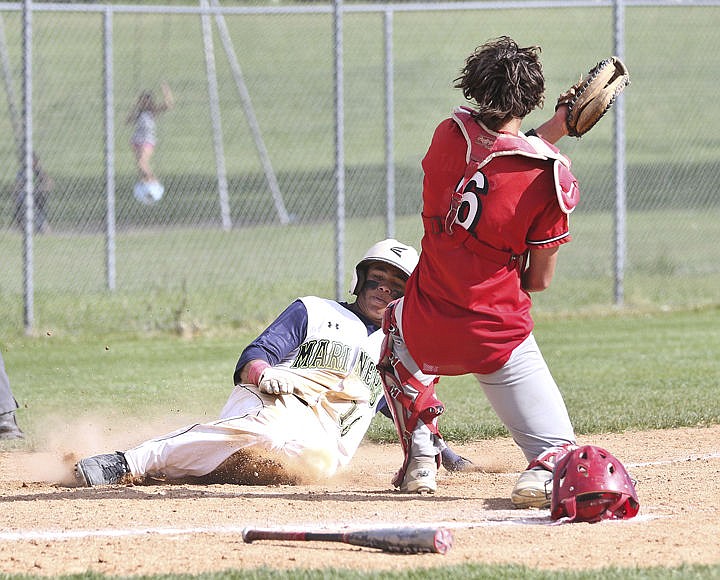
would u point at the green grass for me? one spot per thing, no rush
(617, 372)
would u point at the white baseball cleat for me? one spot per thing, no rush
(420, 476)
(533, 489)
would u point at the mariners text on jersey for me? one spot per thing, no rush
(366, 370)
(322, 354)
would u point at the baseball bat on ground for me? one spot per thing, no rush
(405, 540)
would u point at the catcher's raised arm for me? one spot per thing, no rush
(593, 95)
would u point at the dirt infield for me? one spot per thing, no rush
(50, 529)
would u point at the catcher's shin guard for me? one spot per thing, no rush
(410, 401)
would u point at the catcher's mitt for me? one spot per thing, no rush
(593, 95)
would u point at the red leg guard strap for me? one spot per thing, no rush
(409, 400)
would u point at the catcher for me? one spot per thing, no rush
(496, 204)
(305, 392)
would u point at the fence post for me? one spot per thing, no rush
(110, 241)
(389, 126)
(339, 150)
(28, 171)
(214, 99)
(250, 116)
(620, 194)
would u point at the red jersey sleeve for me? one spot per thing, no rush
(551, 226)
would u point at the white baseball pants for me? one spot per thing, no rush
(281, 427)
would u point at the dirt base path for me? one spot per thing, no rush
(50, 529)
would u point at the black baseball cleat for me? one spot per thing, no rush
(105, 469)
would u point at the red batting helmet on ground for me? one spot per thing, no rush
(589, 485)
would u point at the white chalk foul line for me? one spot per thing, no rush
(502, 518)
(671, 461)
(686, 459)
(112, 533)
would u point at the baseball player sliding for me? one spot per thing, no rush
(305, 393)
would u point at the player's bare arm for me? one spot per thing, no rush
(541, 269)
(555, 128)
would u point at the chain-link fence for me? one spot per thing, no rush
(246, 154)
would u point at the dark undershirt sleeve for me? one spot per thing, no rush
(286, 333)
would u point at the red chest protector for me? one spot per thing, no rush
(485, 145)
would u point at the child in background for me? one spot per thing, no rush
(144, 138)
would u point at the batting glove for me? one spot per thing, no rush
(276, 382)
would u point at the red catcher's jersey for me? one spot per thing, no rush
(463, 312)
